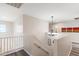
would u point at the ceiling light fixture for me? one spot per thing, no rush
(77, 18)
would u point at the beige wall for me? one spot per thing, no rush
(33, 27)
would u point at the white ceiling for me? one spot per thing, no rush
(9, 13)
(60, 11)
(17, 5)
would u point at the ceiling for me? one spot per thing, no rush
(9, 13)
(60, 11)
(17, 5)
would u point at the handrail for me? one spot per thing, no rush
(41, 48)
(38, 43)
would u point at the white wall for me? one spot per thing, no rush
(71, 23)
(64, 45)
(33, 28)
(9, 26)
(12, 14)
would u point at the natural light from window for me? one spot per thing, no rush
(2, 28)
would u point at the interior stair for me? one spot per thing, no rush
(75, 49)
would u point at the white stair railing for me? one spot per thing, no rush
(9, 43)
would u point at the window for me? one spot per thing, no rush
(2, 28)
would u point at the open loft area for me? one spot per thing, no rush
(39, 29)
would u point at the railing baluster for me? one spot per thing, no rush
(18, 41)
(4, 45)
(7, 43)
(14, 42)
(22, 40)
(0, 45)
(10, 42)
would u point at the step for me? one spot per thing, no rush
(74, 53)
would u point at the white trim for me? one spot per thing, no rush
(27, 52)
(70, 51)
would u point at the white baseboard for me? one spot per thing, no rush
(11, 51)
(70, 51)
(27, 52)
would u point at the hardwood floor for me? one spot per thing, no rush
(19, 53)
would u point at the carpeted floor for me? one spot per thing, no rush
(19, 53)
(75, 49)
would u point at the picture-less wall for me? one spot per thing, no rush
(9, 26)
(33, 28)
(72, 23)
(10, 15)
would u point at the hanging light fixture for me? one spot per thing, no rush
(52, 24)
